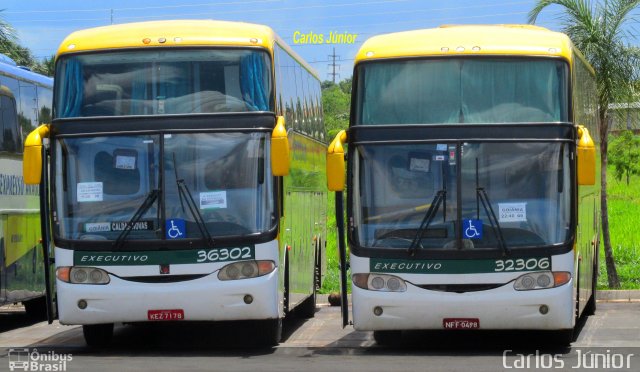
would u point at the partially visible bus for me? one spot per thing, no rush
(187, 163)
(471, 196)
(25, 103)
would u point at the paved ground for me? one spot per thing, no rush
(321, 344)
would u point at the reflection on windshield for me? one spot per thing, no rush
(459, 90)
(102, 182)
(153, 82)
(512, 195)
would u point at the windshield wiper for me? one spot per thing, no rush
(428, 217)
(185, 194)
(144, 207)
(483, 197)
(497, 230)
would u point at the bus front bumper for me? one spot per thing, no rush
(501, 308)
(203, 299)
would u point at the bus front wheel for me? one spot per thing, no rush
(98, 335)
(387, 338)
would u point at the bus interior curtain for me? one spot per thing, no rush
(73, 93)
(252, 82)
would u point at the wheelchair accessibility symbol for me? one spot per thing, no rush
(175, 229)
(472, 229)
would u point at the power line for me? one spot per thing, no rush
(334, 65)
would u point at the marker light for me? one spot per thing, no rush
(460, 49)
(146, 41)
(476, 48)
(369, 54)
(541, 280)
(162, 40)
(379, 282)
(82, 275)
(444, 49)
(246, 269)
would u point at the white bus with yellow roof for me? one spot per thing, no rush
(470, 184)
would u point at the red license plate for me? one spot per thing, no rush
(176, 314)
(461, 323)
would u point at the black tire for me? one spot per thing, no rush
(307, 309)
(98, 335)
(590, 308)
(270, 332)
(387, 338)
(36, 308)
(563, 337)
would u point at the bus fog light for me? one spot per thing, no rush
(82, 304)
(544, 309)
(248, 299)
(377, 311)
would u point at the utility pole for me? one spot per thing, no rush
(111, 16)
(334, 65)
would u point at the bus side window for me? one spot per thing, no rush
(8, 125)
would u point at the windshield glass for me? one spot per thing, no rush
(159, 82)
(457, 90)
(520, 191)
(102, 182)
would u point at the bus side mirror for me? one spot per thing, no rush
(279, 149)
(32, 156)
(335, 162)
(586, 158)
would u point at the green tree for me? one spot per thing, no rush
(598, 30)
(46, 66)
(7, 33)
(624, 155)
(336, 104)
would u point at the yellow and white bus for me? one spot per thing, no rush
(471, 196)
(25, 103)
(187, 163)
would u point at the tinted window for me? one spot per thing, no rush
(8, 125)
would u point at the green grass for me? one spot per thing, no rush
(331, 282)
(624, 218)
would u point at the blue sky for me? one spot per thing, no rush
(43, 24)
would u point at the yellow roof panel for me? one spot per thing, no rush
(174, 33)
(468, 40)
(167, 33)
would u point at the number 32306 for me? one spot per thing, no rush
(523, 264)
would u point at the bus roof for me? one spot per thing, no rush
(9, 68)
(175, 33)
(460, 40)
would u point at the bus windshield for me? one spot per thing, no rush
(168, 181)
(512, 195)
(162, 82)
(462, 90)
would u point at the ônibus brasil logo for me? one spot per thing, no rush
(23, 359)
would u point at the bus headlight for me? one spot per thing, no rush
(379, 282)
(82, 275)
(541, 280)
(246, 269)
